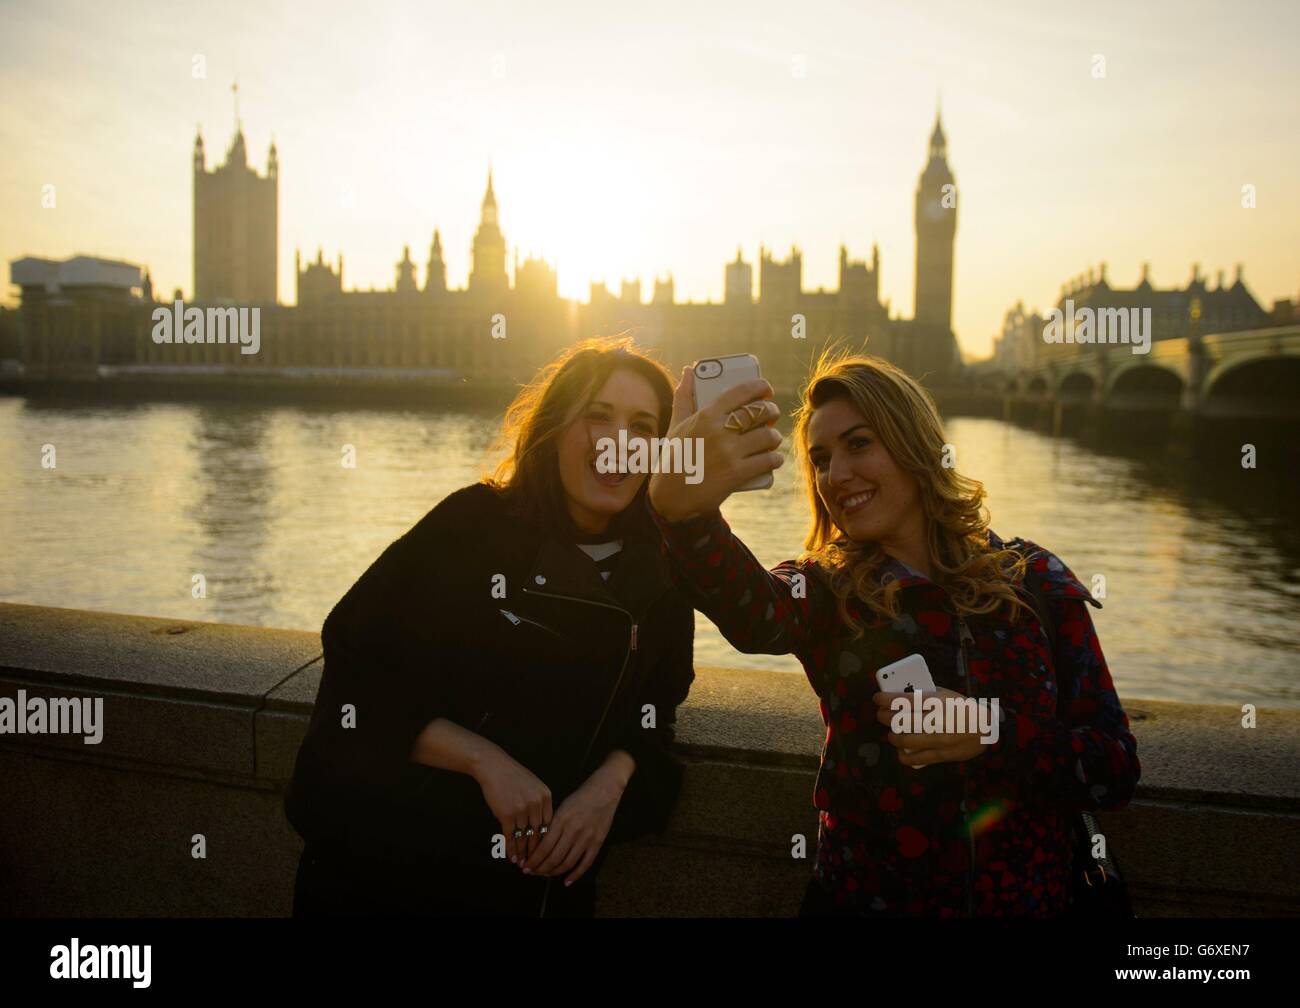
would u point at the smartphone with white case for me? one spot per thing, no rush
(715, 376)
(908, 675)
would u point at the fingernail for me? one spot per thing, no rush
(514, 860)
(568, 882)
(527, 872)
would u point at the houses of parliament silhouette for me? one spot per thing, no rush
(450, 335)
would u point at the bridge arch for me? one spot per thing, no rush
(1077, 386)
(1142, 386)
(1260, 385)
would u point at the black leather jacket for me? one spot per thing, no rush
(478, 616)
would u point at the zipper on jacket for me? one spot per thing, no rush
(964, 637)
(516, 620)
(546, 892)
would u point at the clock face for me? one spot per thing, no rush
(933, 210)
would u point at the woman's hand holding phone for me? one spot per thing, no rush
(729, 459)
(919, 750)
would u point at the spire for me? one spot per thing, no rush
(488, 258)
(200, 159)
(938, 142)
(238, 153)
(435, 275)
(405, 272)
(488, 217)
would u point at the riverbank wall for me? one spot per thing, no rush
(203, 721)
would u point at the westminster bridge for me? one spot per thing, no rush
(1184, 387)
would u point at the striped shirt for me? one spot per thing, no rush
(605, 555)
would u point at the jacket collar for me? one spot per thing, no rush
(894, 569)
(561, 568)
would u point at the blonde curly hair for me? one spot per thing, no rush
(979, 578)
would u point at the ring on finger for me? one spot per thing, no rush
(746, 418)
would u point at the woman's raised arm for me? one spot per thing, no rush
(757, 610)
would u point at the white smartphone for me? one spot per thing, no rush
(908, 675)
(716, 375)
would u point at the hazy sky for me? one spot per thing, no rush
(634, 139)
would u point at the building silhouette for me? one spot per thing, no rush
(487, 273)
(78, 314)
(1175, 312)
(936, 230)
(236, 227)
(509, 318)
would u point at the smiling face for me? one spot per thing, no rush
(868, 495)
(626, 401)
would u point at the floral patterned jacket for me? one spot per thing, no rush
(988, 836)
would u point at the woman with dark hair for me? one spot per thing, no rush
(500, 686)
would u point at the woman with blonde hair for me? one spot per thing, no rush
(956, 819)
(500, 686)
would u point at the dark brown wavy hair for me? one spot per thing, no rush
(979, 578)
(528, 474)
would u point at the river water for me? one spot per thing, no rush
(1202, 574)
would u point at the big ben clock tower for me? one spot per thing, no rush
(936, 227)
